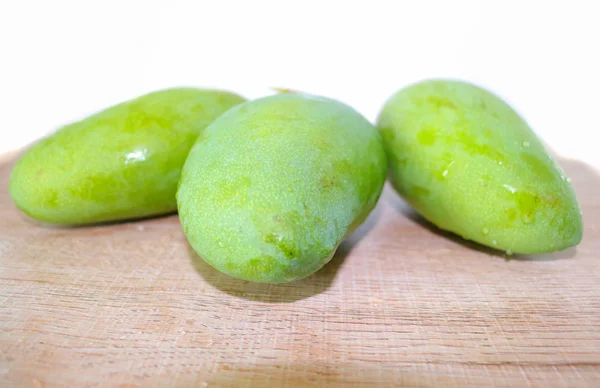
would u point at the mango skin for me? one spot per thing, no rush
(467, 162)
(274, 185)
(121, 163)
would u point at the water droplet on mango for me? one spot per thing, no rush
(527, 218)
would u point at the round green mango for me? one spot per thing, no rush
(274, 185)
(121, 163)
(468, 163)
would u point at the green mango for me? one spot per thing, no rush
(121, 163)
(273, 186)
(468, 163)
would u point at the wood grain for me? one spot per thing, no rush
(401, 304)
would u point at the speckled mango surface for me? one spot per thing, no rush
(274, 185)
(121, 163)
(467, 162)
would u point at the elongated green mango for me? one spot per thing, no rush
(274, 185)
(121, 163)
(467, 162)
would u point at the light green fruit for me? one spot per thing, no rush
(274, 185)
(470, 164)
(121, 163)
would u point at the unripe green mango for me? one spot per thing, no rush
(121, 163)
(274, 185)
(467, 162)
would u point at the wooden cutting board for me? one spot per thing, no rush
(401, 304)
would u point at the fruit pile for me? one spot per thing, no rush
(267, 189)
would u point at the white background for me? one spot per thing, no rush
(62, 60)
